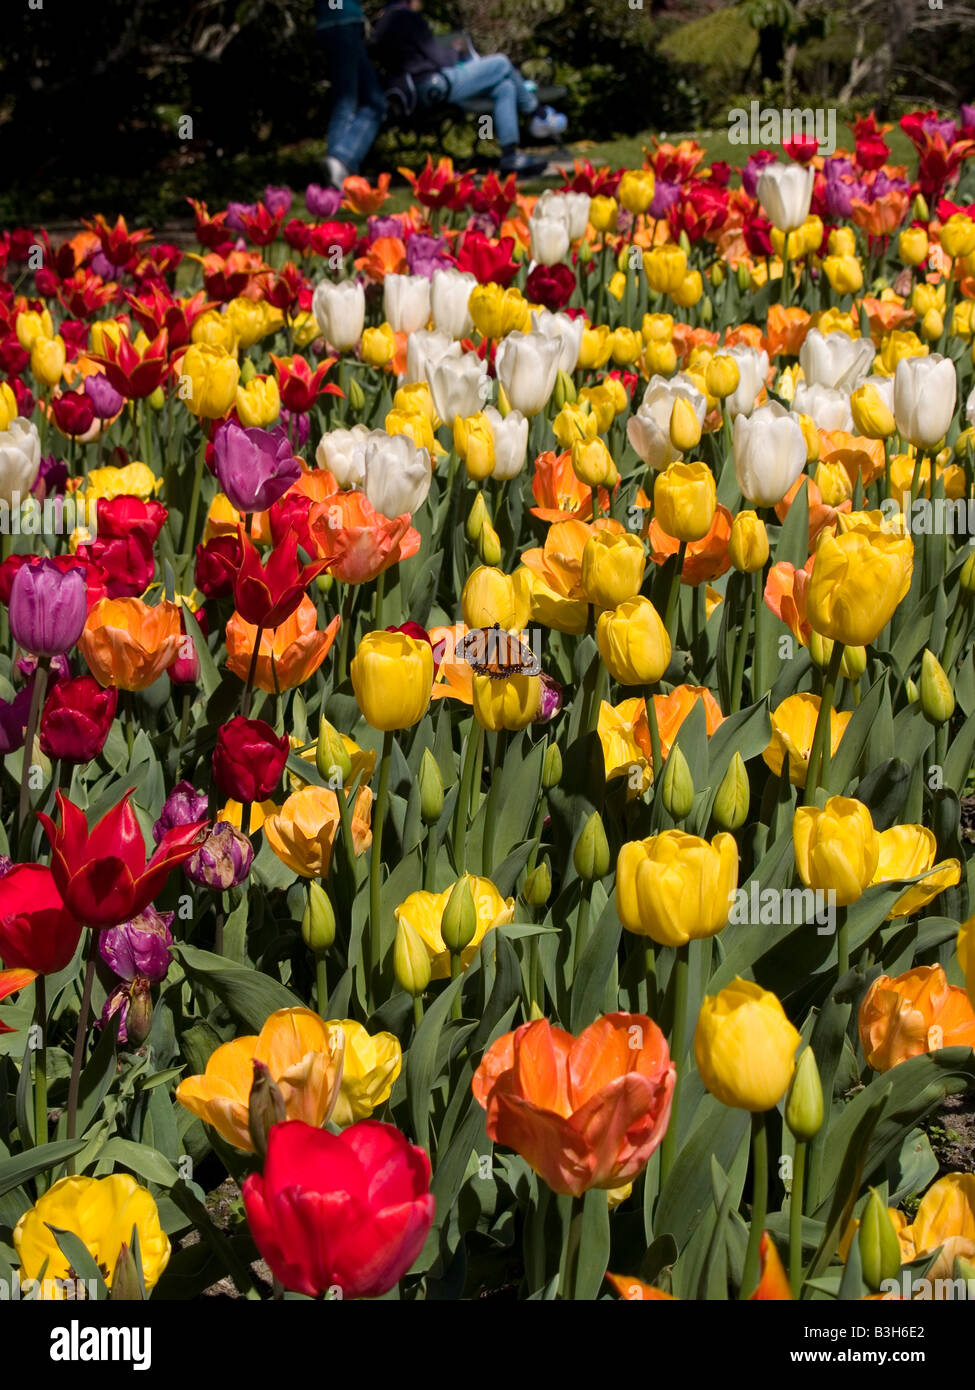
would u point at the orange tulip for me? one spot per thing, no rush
(455, 677)
(674, 708)
(10, 982)
(635, 1290)
(559, 493)
(820, 513)
(385, 256)
(785, 595)
(302, 831)
(773, 1286)
(289, 653)
(916, 1012)
(361, 197)
(705, 559)
(863, 458)
(787, 329)
(362, 543)
(583, 1112)
(128, 644)
(559, 562)
(885, 316)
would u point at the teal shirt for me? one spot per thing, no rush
(327, 16)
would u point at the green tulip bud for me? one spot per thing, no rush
(965, 1271)
(717, 275)
(678, 785)
(317, 920)
(265, 1108)
(476, 518)
(431, 789)
(706, 310)
(489, 545)
(804, 1102)
(356, 396)
(127, 1284)
(854, 663)
(459, 923)
(911, 691)
(585, 251)
(331, 756)
(566, 389)
(684, 242)
(537, 887)
(967, 576)
(742, 275)
(880, 1251)
(552, 767)
(411, 960)
(937, 696)
(248, 371)
(921, 213)
(732, 798)
(158, 398)
(323, 582)
(820, 650)
(591, 853)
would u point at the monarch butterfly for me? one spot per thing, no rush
(493, 652)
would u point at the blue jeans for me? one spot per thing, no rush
(358, 101)
(493, 77)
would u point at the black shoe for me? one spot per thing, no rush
(526, 165)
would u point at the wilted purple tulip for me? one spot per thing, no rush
(322, 202)
(103, 396)
(183, 806)
(48, 608)
(59, 670)
(223, 859)
(549, 701)
(254, 467)
(13, 720)
(139, 947)
(277, 199)
(133, 1002)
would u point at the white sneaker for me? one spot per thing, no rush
(547, 122)
(336, 171)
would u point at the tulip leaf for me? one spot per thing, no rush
(594, 1249)
(958, 762)
(793, 541)
(687, 1194)
(421, 1060)
(144, 1161)
(209, 675)
(884, 791)
(250, 995)
(842, 768)
(20, 1168)
(82, 1262)
(99, 1073)
(847, 1163)
(593, 970)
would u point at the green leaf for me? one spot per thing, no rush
(594, 1250)
(21, 1167)
(598, 958)
(146, 1162)
(249, 995)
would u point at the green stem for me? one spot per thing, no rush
(741, 649)
(462, 809)
(190, 528)
(417, 1010)
(36, 705)
(245, 704)
(40, 1062)
(493, 804)
(750, 1273)
(573, 1250)
(795, 1218)
(654, 727)
(842, 943)
(79, 1043)
(672, 597)
(678, 995)
(582, 924)
(380, 596)
(321, 982)
(345, 635)
(184, 724)
(455, 970)
(376, 854)
(819, 754)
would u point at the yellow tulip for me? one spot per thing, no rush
(622, 752)
(842, 242)
(8, 405)
(371, 1062)
(748, 547)
(509, 703)
(965, 946)
(722, 375)
(912, 245)
(905, 852)
(252, 319)
(633, 642)
(627, 346)
(675, 887)
(844, 273)
(423, 911)
(101, 1212)
(575, 421)
(596, 347)
(392, 676)
(259, 402)
(593, 464)
(604, 213)
(837, 848)
(30, 325)
(665, 268)
(415, 398)
(378, 345)
(660, 359)
(497, 312)
(602, 411)
(685, 500)
(214, 330)
(208, 381)
(957, 235)
(895, 345)
(689, 291)
(134, 480)
(415, 425)
(490, 596)
(870, 415)
(552, 608)
(793, 729)
(859, 578)
(685, 428)
(474, 442)
(635, 190)
(612, 567)
(745, 1046)
(47, 359)
(617, 285)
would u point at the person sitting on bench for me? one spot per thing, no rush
(407, 48)
(358, 99)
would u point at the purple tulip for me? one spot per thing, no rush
(101, 265)
(277, 200)
(296, 426)
(665, 195)
(752, 171)
(377, 227)
(48, 608)
(254, 467)
(139, 947)
(322, 202)
(234, 211)
(550, 700)
(133, 1002)
(183, 806)
(946, 128)
(840, 191)
(966, 117)
(223, 860)
(6, 864)
(425, 254)
(103, 396)
(883, 184)
(13, 720)
(51, 478)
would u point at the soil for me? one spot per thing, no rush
(952, 1135)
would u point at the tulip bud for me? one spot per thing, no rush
(804, 1102)
(265, 1108)
(431, 789)
(552, 767)
(318, 920)
(811, 435)
(248, 371)
(591, 853)
(489, 545)
(331, 755)
(854, 663)
(932, 326)
(138, 1019)
(157, 398)
(820, 649)
(678, 785)
(748, 547)
(965, 1271)
(476, 518)
(911, 691)
(684, 242)
(880, 1251)
(537, 888)
(742, 275)
(937, 696)
(967, 576)
(459, 917)
(731, 800)
(706, 310)
(920, 209)
(565, 390)
(356, 395)
(717, 275)
(127, 1284)
(411, 960)
(685, 428)
(323, 582)
(585, 252)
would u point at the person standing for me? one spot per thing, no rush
(358, 100)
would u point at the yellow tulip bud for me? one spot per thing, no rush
(474, 442)
(411, 959)
(537, 887)
(748, 547)
(732, 799)
(431, 788)
(870, 415)
(745, 1046)
(880, 1250)
(552, 767)
(459, 922)
(378, 345)
(937, 696)
(912, 245)
(932, 326)
(476, 517)
(685, 428)
(590, 857)
(593, 464)
(489, 545)
(617, 285)
(331, 755)
(967, 576)
(722, 375)
(318, 921)
(685, 500)
(811, 435)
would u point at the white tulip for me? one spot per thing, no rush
(406, 302)
(397, 474)
(552, 204)
(752, 366)
(836, 360)
(969, 408)
(20, 459)
(449, 299)
(343, 453)
(649, 429)
(425, 348)
(549, 240)
(565, 331)
(510, 435)
(828, 409)
(340, 311)
(785, 193)
(527, 365)
(577, 206)
(459, 386)
(925, 391)
(770, 453)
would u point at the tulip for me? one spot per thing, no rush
(675, 887)
(584, 1112)
(340, 312)
(871, 409)
(770, 454)
(509, 435)
(47, 359)
(392, 674)
(48, 608)
(459, 385)
(731, 800)
(449, 298)
(489, 596)
(752, 365)
(140, 948)
(665, 267)
(101, 1213)
(880, 1252)
(76, 718)
(378, 345)
(684, 500)
(259, 402)
(835, 360)
(649, 429)
(267, 595)
(567, 332)
(836, 848)
(527, 365)
(406, 302)
(858, 580)
(20, 460)
(785, 192)
(593, 464)
(286, 657)
(248, 759)
(957, 235)
(828, 409)
(425, 912)
(343, 453)
(633, 642)
(793, 730)
(396, 474)
(804, 1103)
(128, 644)
(925, 391)
(359, 542)
(208, 381)
(302, 832)
(349, 1211)
(745, 1047)
(509, 703)
(912, 245)
(102, 874)
(318, 921)
(37, 932)
(748, 547)
(612, 568)
(254, 467)
(685, 428)
(915, 1013)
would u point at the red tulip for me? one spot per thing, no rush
(76, 718)
(37, 932)
(73, 413)
(135, 375)
(102, 873)
(249, 759)
(268, 595)
(155, 309)
(212, 578)
(122, 516)
(349, 1211)
(301, 387)
(488, 260)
